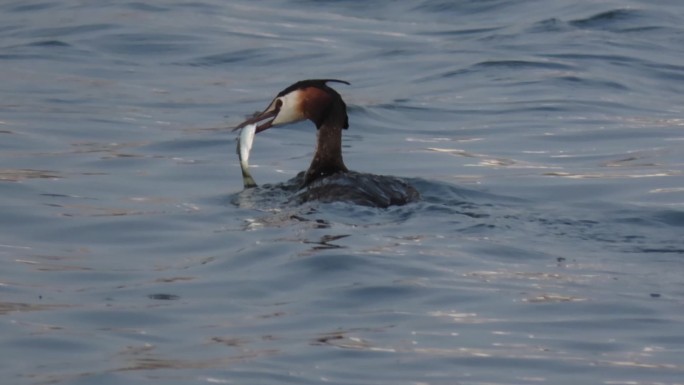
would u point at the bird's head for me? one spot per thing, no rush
(306, 99)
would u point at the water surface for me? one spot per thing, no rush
(544, 136)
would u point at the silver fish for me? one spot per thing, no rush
(244, 146)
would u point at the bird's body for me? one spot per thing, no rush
(327, 178)
(359, 188)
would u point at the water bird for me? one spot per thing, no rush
(328, 179)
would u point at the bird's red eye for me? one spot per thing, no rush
(279, 103)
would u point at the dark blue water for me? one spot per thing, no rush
(546, 138)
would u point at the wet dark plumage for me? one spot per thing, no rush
(358, 188)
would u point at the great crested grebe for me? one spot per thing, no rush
(327, 178)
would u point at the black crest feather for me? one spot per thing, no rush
(318, 83)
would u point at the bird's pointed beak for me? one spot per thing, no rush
(270, 112)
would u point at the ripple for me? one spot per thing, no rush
(139, 6)
(22, 174)
(146, 43)
(38, 6)
(544, 142)
(609, 20)
(11, 307)
(245, 55)
(76, 30)
(671, 217)
(49, 43)
(516, 64)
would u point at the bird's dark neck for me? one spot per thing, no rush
(327, 159)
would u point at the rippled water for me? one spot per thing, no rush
(546, 138)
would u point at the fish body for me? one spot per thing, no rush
(244, 147)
